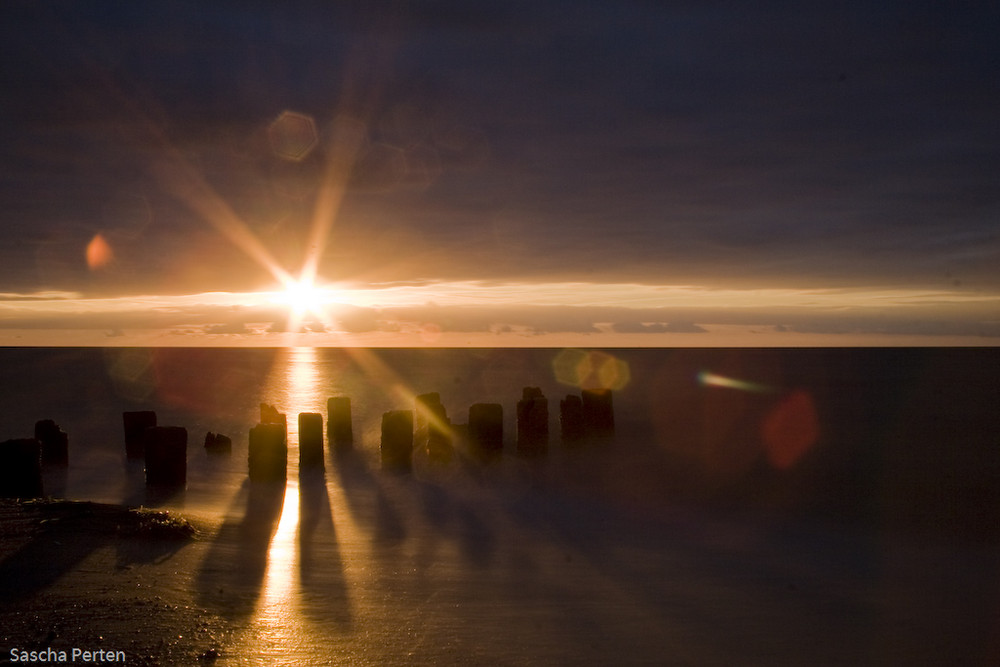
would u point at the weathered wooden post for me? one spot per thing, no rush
(486, 430)
(311, 440)
(21, 468)
(532, 423)
(426, 406)
(598, 414)
(571, 419)
(55, 443)
(268, 453)
(397, 440)
(339, 428)
(135, 424)
(439, 440)
(433, 427)
(270, 415)
(216, 443)
(166, 455)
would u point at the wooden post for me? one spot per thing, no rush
(135, 424)
(397, 440)
(21, 468)
(268, 453)
(339, 428)
(166, 455)
(55, 443)
(311, 440)
(486, 430)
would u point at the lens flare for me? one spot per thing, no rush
(790, 429)
(99, 253)
(293, 135)
(591, 370)
(709, 379)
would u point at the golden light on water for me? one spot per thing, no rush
(296, 386)
(276, 612)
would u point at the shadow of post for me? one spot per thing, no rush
(321, 570)
(365, 498)
(230, 577)
(65, 533)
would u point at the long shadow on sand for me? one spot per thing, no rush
(321, 570)
(375, 499)
(65, 533)
(366, 499)
(230, 577)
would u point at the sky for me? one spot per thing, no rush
(513, 173)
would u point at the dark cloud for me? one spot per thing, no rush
(773, 143)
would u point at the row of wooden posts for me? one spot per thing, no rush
(584, 418)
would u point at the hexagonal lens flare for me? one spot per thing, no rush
(293, 136)
(591, 369)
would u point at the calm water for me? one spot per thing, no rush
(736, 476)
(890, 429)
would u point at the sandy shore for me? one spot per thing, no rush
(364, 568)
(102, 577)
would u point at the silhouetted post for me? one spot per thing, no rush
(397, 440)
(532, 422)
(216, 443)
(339, 429)
(268, 453)
(55, 443)
(439, 440)
(135, 424)
(571, 419)
(311, 440)
(598, 414)
(270, 415)
(21, 468)
(434, 425)
(426, 406)
(486, 429)
(166, 455)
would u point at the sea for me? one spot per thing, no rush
(752, 506)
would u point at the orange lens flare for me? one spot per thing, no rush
(99, 253)
(790, 429)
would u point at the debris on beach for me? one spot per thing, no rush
(48, 514)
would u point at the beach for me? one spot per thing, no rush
(683, 541)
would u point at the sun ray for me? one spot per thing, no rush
(348, 137)
(186, 183)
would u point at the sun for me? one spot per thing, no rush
(306, 301)
(303, 296)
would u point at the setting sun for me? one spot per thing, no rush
(303, 296)
(305, 301)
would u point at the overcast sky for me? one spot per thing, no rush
(762, 149)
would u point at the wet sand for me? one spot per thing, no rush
(679, 544)
(361, 567)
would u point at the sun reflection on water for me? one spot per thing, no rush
(294, 387)
(276, 613)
